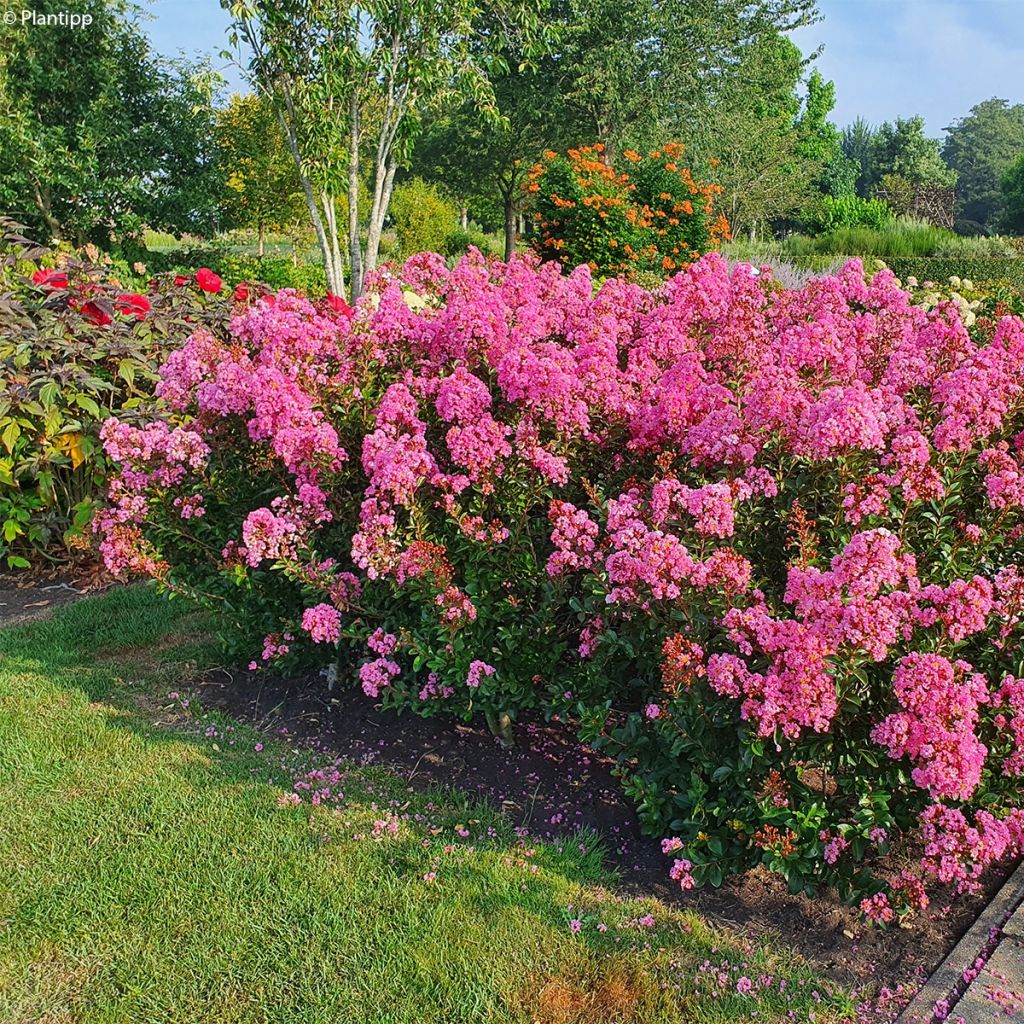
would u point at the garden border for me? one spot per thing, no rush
(948, 974)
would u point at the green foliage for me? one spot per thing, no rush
(422, 216)
(900, 149)
(981, 147)
(457, 242)
(766, 165)
(1012, 185)
(482, 163)
(903, 149)
(858, 140)
(900, 193)
(98, 136)
(849, 211)
(820, 143)
(262, 184)
(649, 216)
(276, 272)
(636, 72)
(63, 374)
(902, 236)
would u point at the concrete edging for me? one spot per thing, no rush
(950, 972)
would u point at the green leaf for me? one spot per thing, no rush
(88, 404)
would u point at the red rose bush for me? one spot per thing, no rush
(763, 545)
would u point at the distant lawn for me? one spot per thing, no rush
(153, 873)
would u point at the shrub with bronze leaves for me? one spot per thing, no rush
(75, 347)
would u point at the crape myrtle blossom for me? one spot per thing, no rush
(717, 523)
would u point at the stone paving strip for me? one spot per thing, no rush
(982, 979)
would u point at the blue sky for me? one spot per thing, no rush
(888, 58)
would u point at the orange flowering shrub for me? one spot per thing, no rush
(650, 214)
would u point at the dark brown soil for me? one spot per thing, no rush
(551, 785)
(27, 594)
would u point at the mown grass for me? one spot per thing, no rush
(152, 872)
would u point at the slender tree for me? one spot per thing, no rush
(349, 79)
(473, 156)
(858, 142)
(262, 185)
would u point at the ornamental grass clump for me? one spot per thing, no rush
(762, 544)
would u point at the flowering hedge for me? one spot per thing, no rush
(762, 544)
(647, 215)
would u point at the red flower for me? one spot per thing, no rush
(241, 293)
(50, 278)
(180, 280)
(132, 305)
(208, 280)
(339, 305)
(96, 313)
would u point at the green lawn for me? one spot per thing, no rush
(153, 871)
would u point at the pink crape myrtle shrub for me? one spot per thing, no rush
(763, 545)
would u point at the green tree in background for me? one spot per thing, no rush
(473, 157)
(902, 149)
(639, 72)
(765, 171)
(354, 78)
(98, 137)
(981, 147)
(820, 142)
(1012, 189)
(858, 143)
(262, 188)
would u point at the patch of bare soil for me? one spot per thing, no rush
(30, 593)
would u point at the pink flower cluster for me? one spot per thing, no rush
(936, 729)
(323, 623)
(794, 514)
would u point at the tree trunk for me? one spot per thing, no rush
(379, 212)
(500, 724)
(259, 243)
(510, 226)
(355, 256)
(42, 197)
(334, 274)
(464, 218)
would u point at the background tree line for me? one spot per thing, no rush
(100, 136)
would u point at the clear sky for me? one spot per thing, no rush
(888, 58)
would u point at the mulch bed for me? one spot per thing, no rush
(551, 785)
(28, 593)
